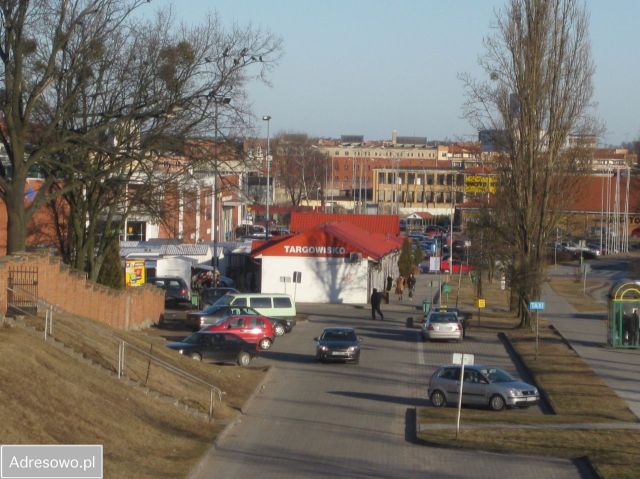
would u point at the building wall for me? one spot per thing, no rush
(324, 280)
(132, 308)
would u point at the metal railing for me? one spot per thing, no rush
(123, 344)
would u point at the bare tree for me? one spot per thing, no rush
(537, 94)
(301, 168)
(93, 97)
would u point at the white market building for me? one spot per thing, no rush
(335, 263)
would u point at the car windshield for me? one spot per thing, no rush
(212, 309)
(443, 318)
(224, 300)
(496, 375)
(339, 336)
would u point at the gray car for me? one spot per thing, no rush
(440, 324)
(483, 385)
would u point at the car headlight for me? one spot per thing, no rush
(352, 349)
(515, 392)
(323, 348)
(181, 351)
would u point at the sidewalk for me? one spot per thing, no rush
(587, 335)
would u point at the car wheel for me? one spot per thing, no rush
(496, 402)
(196, 357)
(265, 343)
(279, 330)
(438, 399)
(244, 358)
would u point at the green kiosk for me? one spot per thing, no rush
(623, 329)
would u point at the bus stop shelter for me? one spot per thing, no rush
(623, 326)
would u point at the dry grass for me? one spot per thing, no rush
(50, 398)
(99, 343)
(573, 291)
(575, 392)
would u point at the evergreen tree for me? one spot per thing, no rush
(111, 273)
(406, 261)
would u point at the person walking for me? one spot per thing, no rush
(375, 305)
(411, 284)
(400, 287)
(389, 283)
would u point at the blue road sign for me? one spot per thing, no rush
(536, 305)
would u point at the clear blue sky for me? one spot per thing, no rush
(367, 67)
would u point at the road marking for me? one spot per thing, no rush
(421, 352)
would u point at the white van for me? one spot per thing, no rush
(271, 305)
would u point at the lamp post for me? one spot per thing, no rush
(267, 118)
(214, 205)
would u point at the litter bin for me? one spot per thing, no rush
(426, 306)
(195, 299)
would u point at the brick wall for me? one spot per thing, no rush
(131, 308)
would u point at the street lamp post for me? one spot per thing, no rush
(214, 205)
(267, 118)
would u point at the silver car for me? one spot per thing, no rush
(442, 325)
(483, 385)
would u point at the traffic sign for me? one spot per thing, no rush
(536, 305)
(481, 303)
(463, 358)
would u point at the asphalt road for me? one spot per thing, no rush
(358, 421)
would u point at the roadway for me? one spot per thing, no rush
(314, 420)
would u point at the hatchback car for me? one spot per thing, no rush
(338, 344)
(483, 385)
(216, 347)
(442, 325)
(251, 328)
(214, 313)
(175, 289)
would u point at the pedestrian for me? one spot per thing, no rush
(389, 283)
(635, 328)
(400, 287)
(375, 305)
(411, 284)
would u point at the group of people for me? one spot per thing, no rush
(401, 283)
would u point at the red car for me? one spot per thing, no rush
(455, 266)
(251, 328)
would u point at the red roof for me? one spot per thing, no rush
(335, 240)
(383, 224)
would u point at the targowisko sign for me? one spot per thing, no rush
(316, 250)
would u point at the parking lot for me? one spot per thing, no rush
(344, 420)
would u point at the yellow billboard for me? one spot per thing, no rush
(135, 274)
(479, 184)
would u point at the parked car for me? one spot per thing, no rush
(176, 290)
(338, 344)
(456, 265)
(483, 385)
(272, 305)
(253, 329)
(211, 295)
(442, 325)
(217, 347)
(213, 314)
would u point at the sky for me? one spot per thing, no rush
(368, 67)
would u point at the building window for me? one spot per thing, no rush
(381, 178)
(430, 179)
(411, 178)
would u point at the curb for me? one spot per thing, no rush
(227, 429)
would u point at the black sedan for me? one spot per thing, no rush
(338, 344)
(218, 347)
(215, 313)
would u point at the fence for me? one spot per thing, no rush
(90, 338)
